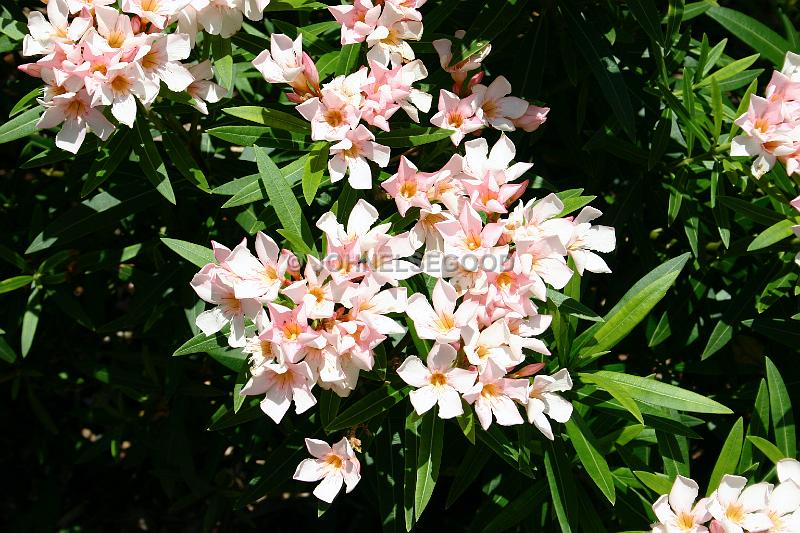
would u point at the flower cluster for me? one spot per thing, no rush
(468, 109)
(771, 124)
(733, 507)
(483, 312)
(318, 327)
(336, 109)
(97, 56)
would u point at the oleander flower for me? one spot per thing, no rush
(335, 466)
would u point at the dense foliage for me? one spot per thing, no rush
(120, 413)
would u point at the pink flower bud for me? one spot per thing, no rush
(534, 117)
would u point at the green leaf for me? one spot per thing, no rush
(647, 16)
(413, 135)
(410, 446)
(23, 102)
(348, 59)
(91, 215)
(194, 253)
(250, 135)
(431, 437)
(572, 307)
(280, 194)
(181, 157)
(720, 336)
(770, 451)
(560, 481)
(223, 62)
(674, 451)
(600, 60)
(617, 391)
(313, 170)
(775, 233)
(270, 117)
(117, 150)
(660, 394)
(751, 211)
(328, 406)
(201, 343)
(151, 162)
(726, 72)
(368, 407)
(12, 284)
(658, 483)
(781, 411)
(518, 509)
(592, 460)
(492, 21)
(755, 34)
(728, 457)
(632, 308)
(7, 354)
(252, 190)
(30, 321)
(20, 126)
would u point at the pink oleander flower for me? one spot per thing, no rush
(387, 42)
(543, 402)
(158, 12)
(677, 512)
(213, 284)
(499, 109)
(462, 115)
(45, 32)
(386, 260)
(783, 507)
(494, 396)
(512, 288)
(544, 259)
(289, 328)
(202, 89)
(350, 156)
(370, 305)
(358, 20)
(438, 383)
(738, 510)
(490, 344)
(409, 187)
(119, 87)
(488, 174)
(219, 17)
(75, 112)
(587, 239)
(471, 242)
(441, 321)
(424, 232)
(259, 276)
(335, 466)
(390, 89)
(76, 6)
(161, 62)
(768, 136)
(533, 117)
(788, 470)
(281, 384)
(313, 291)
(337, 110)
(524, 332)
(114, 32)
(359, 230)
(286, 62)
(460, 70)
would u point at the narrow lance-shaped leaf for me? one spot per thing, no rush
(150, 160)
(431, 436)
(592, 460)
(781, 411)
(728, 457)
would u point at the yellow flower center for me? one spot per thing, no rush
(291, 331)
(116, 40)
(408, 189)
(455, 119)
(121, 84)
(489, 390)
(150, 60)
(76, 108)
(735, 513)
(438, 379)
(334, 460)
(489, 109)
(317, 293)
(333, 117)
(445, 323)
(473, 242)
(150, 5)
(685, 521)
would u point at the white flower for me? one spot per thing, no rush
(675, 510)
(543, 400)
(738, 510)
